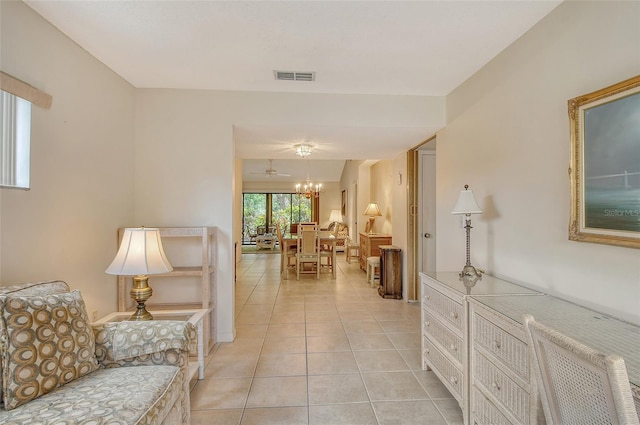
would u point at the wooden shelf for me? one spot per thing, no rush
(205, 272)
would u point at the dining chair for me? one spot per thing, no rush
(308, 251)
(577, 384)
(287, 253)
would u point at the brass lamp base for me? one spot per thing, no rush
(372, 221)
(140, 293)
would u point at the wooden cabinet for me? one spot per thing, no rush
(390, 272)
(369, 246)
(191, 252)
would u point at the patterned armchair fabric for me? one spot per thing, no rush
(341, 231)
(119, 392)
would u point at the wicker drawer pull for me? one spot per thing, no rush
(497, 344)
(496, 386)
(453, 314)
(453, 380)
(427, 323)
(453, 348)
(426, 350)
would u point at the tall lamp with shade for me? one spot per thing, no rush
(466, 206)
(335, 216)
(140, 255)
(372, 211)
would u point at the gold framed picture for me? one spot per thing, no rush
(605, 165)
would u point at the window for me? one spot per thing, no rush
(15, 137)
(261, 211)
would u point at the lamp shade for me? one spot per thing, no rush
(140, 253)
(466, 203)
(372, 210)
(335, 216)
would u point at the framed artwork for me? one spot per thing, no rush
(343, 207)
(605, 165)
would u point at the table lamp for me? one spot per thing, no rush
(140, 255)
(335, 216)
(467, 205)
(372, 211)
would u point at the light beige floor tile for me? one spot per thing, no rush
(410, 341)
(393, 386)
(342, 414)
(364, 342)
(276, 416)
(215, 416)
(320, 307)
(331, 363)
(282, 365)
(413, 358)
(318, 344)
(322, 316)
(450, 409)
(330, 389)
(286, 330)
(241, 365)
(239, 346)
(284, 308)
(220, 393)
(280, 345)
(278, 392)
(288, 317)
(355, 316)
(432, 384)
(253, 318)
(407, 413)
(325, 328)
(401, 326)
(363, 327)
(251, 331)
(380, 361)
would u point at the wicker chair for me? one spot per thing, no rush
(577, 384)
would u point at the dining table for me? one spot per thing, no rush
(326, 238)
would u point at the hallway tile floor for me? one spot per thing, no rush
(319, 352)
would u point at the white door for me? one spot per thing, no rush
(427, 212)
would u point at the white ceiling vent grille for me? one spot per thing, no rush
(294, 76)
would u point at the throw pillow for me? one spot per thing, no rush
(48, 342)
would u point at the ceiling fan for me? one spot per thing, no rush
(271, 172)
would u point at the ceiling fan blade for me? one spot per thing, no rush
(283, 175)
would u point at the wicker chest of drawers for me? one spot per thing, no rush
(501, 374)
(473, 338)
(445, 328)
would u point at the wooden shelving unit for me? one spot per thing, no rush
(205, 237)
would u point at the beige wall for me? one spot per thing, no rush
(381, 194)
(82, 163)
(507, 136)
(186, 138)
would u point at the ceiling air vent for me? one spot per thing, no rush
(294, 76)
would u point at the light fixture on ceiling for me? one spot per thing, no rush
(308, 189)
(303, 149)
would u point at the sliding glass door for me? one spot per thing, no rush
(262, 211)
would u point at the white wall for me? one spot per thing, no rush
(65, 227)
(186, 140)
(381, 194)
(507, 136)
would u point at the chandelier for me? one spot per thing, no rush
(308, 189)
(303, 149)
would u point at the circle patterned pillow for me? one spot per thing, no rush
(49, 342)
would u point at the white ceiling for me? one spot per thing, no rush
(354, 47)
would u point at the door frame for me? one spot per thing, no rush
(414, 249)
